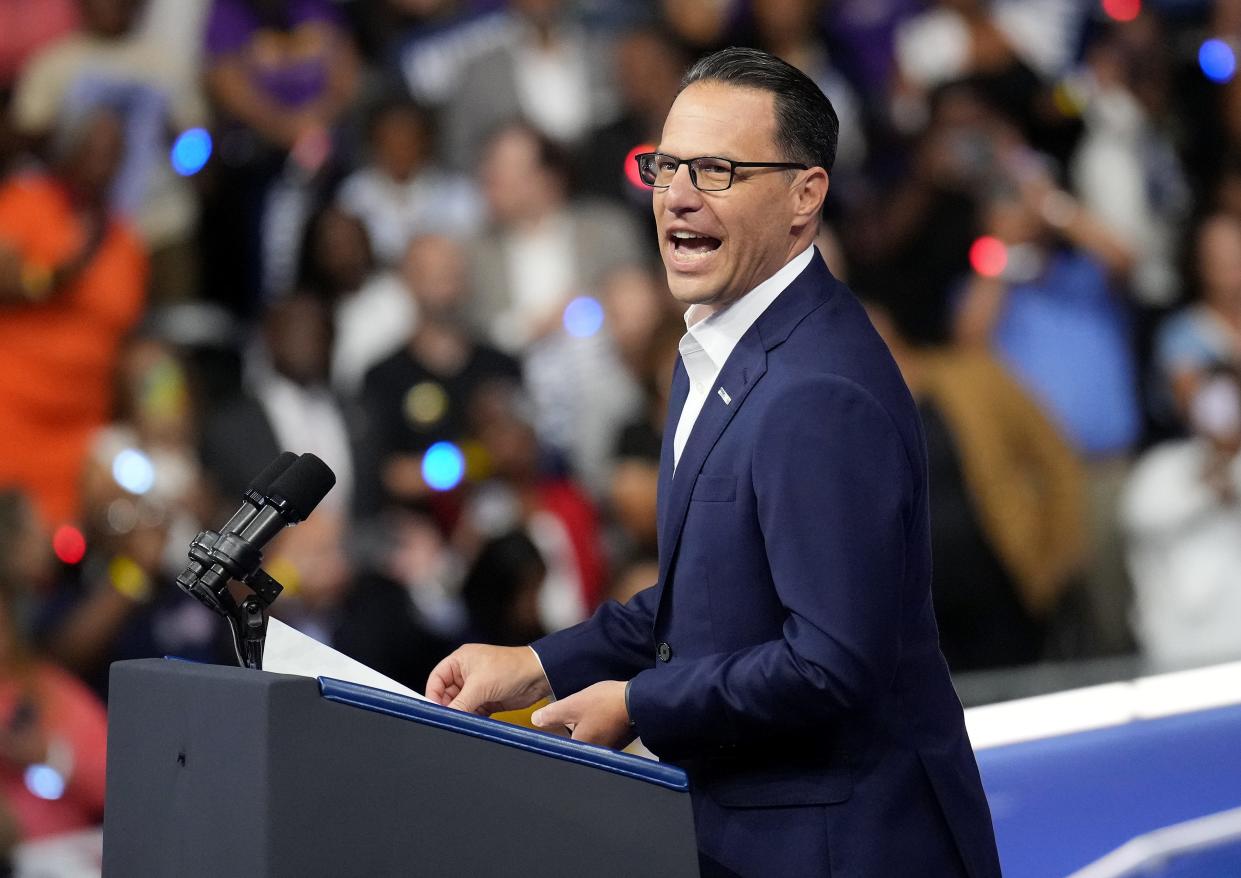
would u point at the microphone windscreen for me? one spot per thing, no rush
(263, 481)
(302, 486)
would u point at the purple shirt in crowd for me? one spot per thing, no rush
(290, 63)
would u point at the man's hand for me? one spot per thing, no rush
(596, 715)
(484, 679)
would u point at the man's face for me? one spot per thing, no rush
(717, 246)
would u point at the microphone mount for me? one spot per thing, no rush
(282, 495)
(224, 558)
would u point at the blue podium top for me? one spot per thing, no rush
(532, 740)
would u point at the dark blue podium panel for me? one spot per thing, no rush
(217, 771)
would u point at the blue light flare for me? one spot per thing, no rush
(44, 782)
(443, 466)
(1217, 60)
(191, 151)
(583, 317)
(133, 471)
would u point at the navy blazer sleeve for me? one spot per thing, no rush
(834, 493)
(613, 644)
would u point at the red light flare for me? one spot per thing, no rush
(631, 165)
(1122, 10)
(69, 544)
(988, 256)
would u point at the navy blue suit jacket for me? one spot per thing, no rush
(788, 657)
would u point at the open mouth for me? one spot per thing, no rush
(690, 246)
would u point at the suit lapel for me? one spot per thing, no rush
(676, 402)
(745, 366)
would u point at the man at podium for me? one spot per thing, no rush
(787, 658)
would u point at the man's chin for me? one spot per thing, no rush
(695, 291)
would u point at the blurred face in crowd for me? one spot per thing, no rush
(91, 163)
(634, 306)
(25, 545)
(648, 72)
(717, 246)
(499, 419)
(516, 183)
(342, 249)
(697, 22)
(1215, 411)
(540, 12)
(298, 331)
(785, 20)
(435, 272)
(155, 392)
(110, 18)
(1011, 220)
(1219, 264)
(399, 142)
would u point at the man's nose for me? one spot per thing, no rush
(682, 194)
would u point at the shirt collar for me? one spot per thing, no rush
(717, 334)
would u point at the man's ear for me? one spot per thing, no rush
(809, 194)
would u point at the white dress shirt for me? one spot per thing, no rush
(711, 337)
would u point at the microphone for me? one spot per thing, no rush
(255, 498)
(257, 491)
(292, 497)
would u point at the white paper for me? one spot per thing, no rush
(289, 651)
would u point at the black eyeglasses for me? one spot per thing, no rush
(707, 173)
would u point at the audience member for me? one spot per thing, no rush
(372, 312)
(143, 501)
(109, 63)
(1008, 499)
(549, 72)
(403, 612)
(542, 248)
(1054, 316)
(288, 405)
(72, 281)
(148, 448)
(52, 723)
(1125, 169)
(523, 491)
(401, 193)
(26, 26)
(282, 74)
(1006, 45)
(1181, 511)
(582, 377)
(420, 395)
(1208, 332)
(501, 591)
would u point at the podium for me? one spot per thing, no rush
(217, 771)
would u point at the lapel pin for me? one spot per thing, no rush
(728, 400)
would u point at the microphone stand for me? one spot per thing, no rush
(224, 559)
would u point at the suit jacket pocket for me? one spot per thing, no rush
(715, 489)
(769, 788)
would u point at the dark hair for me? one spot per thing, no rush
(397, 105)
(806, 123)
(505, 566)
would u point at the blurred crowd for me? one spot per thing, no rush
(408, 236)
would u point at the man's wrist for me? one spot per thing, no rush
(546, 680)
(628, 709)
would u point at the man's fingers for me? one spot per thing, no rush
(446, 680)
(554, 714)
(467, 699)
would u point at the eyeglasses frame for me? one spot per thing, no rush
(693, 175)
